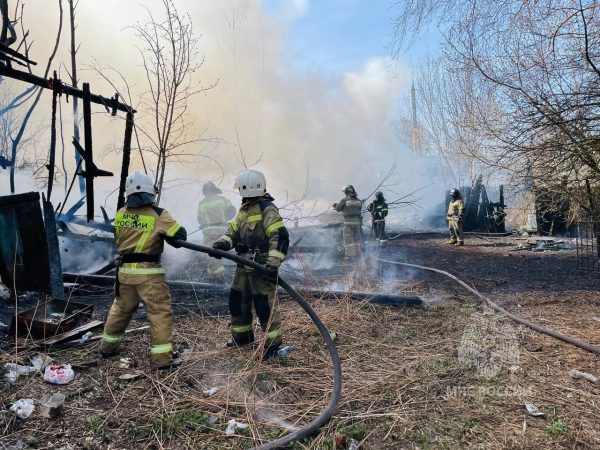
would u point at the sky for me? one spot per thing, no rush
(333, 36)
(307, 89)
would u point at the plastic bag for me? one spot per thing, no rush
(59, 374)
(23, 408)
(233, 426)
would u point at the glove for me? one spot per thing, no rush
(334, 205)
(271, 274)
(219, 245)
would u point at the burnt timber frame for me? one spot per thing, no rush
(111, 104)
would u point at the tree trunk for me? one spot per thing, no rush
(74, 84)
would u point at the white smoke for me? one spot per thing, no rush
(310, 132)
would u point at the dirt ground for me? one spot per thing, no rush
(448, 375)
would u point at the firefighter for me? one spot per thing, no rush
(257, 233)
(456, 211)
(351, 208)
(214, 212)
(379, 210)
(141, 229)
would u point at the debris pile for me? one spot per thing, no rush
(544, 243)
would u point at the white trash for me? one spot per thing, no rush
(533, 410)
(52, 405)
(59, 374)
(40, 362)
(211, 391)
(233, 426)
(575, 374)
(23, 408)
(21, 370)
(11, 377)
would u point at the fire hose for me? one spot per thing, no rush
(555, 334)
(326, 414)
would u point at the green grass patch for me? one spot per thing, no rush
(556, 427)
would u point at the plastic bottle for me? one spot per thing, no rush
(85, 337)
(283, 351)
(354, 445)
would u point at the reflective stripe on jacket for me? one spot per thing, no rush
(378, 210)
(258, 227)
(144, 230)
(351, 209)
(215, 211)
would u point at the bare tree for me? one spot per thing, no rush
(170, 58)
(16, 140)
(444, 112)
(73, 75)
(535, 87)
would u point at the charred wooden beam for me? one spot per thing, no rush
(57, 290)
(126, 159)
(89, 157)
(52, 154)
(14, 55)
(109, 103)
(223, 290)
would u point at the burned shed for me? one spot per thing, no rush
(482, 214)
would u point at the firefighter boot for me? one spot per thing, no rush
(271, 350)
(232, 342)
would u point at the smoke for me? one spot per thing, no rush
(311, 133)
(24, 181)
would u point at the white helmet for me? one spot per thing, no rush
(139, 182)
(250, 183)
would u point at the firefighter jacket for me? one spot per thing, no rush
(351, 209)
(456, 209)
(257, 232)
(214, 211)
(378, 210)
(140, 233)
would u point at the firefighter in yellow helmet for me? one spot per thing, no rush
(351, 208)
(456, 211)
(141, 229)
(214, 213)
(259, 234)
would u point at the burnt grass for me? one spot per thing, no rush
(407, 382)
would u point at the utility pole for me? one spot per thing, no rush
(416, 131)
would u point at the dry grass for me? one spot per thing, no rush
(403, 388)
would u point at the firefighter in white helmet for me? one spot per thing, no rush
(140, 230)
(259, 234)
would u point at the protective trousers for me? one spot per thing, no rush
(250, 287)
(456, 231)
(352, 236)
(157, 299)
(379, 228)
(215, 267)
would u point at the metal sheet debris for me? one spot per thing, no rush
(50, 318)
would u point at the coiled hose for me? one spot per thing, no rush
(555, 334)
(325, 415)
